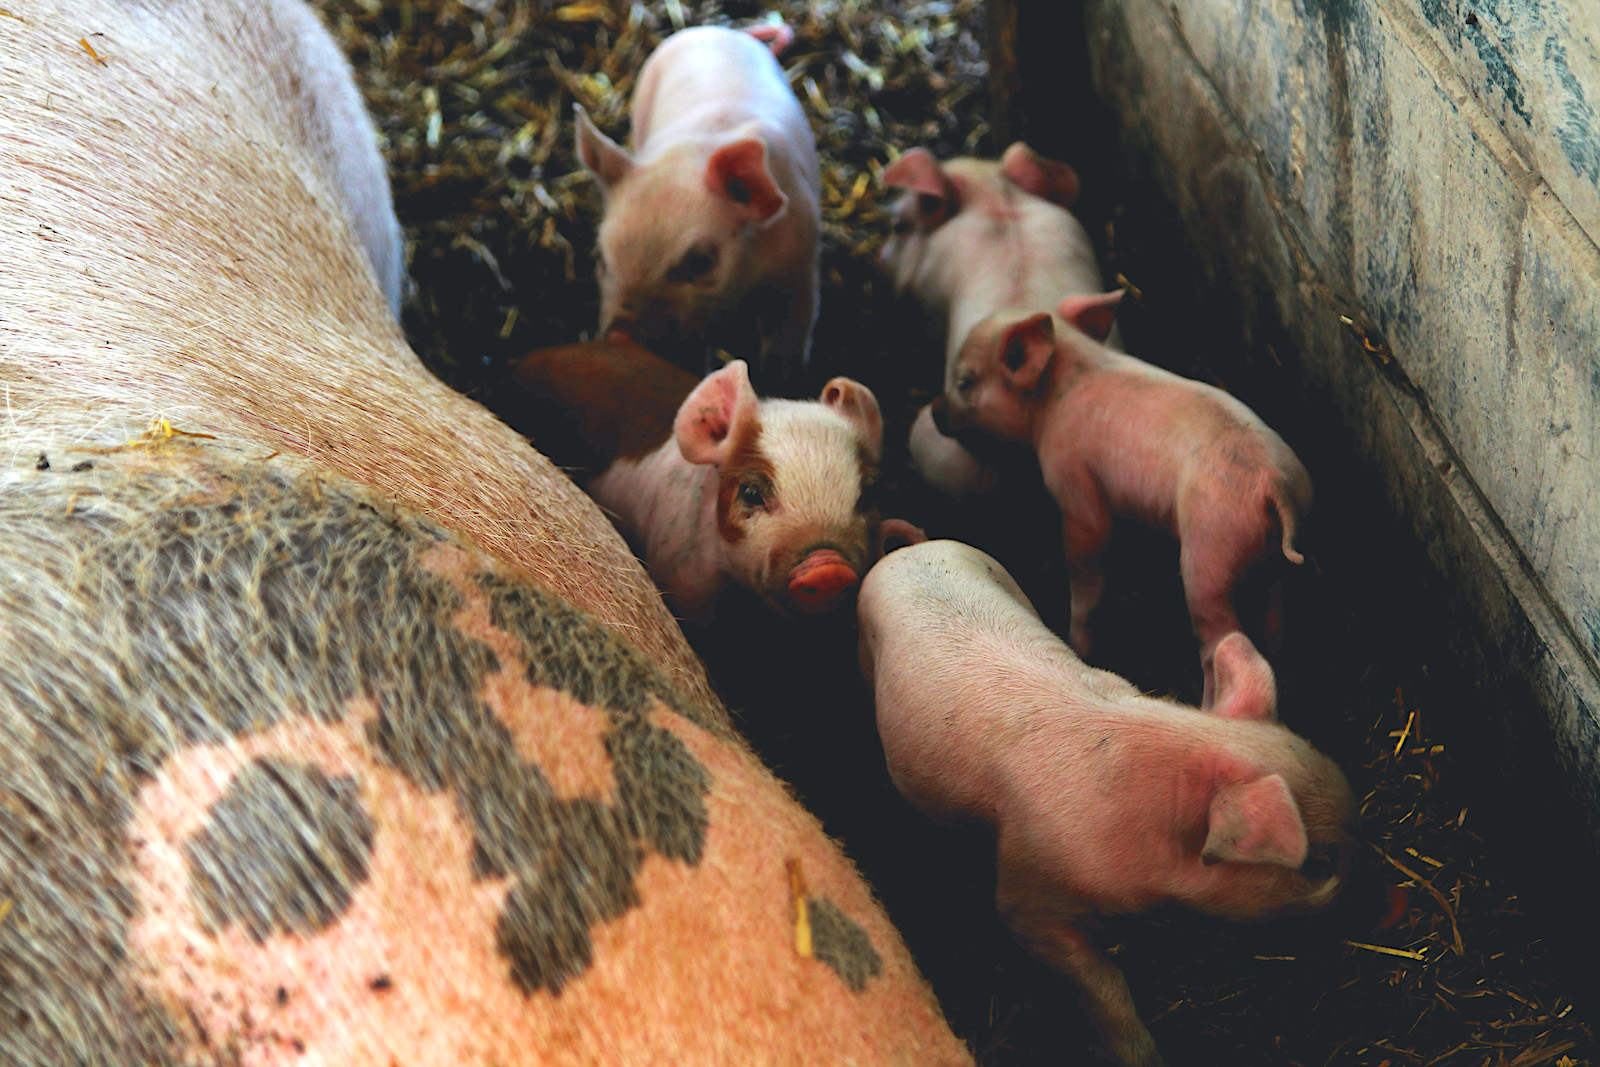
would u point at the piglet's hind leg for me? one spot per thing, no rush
(1210, 567)
(1103, 991)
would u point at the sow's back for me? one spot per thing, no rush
(336, 726)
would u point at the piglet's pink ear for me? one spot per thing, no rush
(918, 172)
(897, 533)
(1026, 348)
(712, 418)
(1047, 178)
(1093, 313)
(599, 154)
(738, 170)
(777, 36)
(1244, 687)
(855, 402)
(1255, 822)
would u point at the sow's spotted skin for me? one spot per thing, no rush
(290, 775)
(343, 729)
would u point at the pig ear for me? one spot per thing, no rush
(1244, 687)
(1047, 178)
(739, 171)
(1255, 822)
(1026, 348)
(1093, 313)
(918, 172)
(897, 533)
(777, 36)
(710, 418)
(855, 402)
(599, 154)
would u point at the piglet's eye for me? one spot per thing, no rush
(1317, 867)
(901, 227)
(965, 383)
(696, 263)
(751, 496)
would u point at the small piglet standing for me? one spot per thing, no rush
(712, 484)
(1118, 436)
(1102, 800)
(972, 237)
(720, 202)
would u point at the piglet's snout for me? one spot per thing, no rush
(821, 580)
(645, 323)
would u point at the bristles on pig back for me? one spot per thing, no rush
(168, 247)
(289, 768)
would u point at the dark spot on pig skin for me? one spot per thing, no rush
(575, 860)
(841, 943)
(86, 465)
(43, 463)
(281, 852)
(568, 650)
(382, 983)
(587, 879)
(185, 597)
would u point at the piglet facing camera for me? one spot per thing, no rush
(711, 483)
(1102, 800)
(718, 205)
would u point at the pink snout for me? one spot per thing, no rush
(819, 581)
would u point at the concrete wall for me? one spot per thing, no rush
(1410, 189)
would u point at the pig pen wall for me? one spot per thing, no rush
(1399, 203)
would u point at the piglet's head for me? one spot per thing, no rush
(675, 246)
(1279, 825)
(791, 477)
(994, 384)
(931, 199)
(960, 216)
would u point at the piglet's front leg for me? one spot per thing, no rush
(1085, 529)
(1035, 917)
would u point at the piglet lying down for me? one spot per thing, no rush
(1102, 800)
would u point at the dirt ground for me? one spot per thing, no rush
(474, 103)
